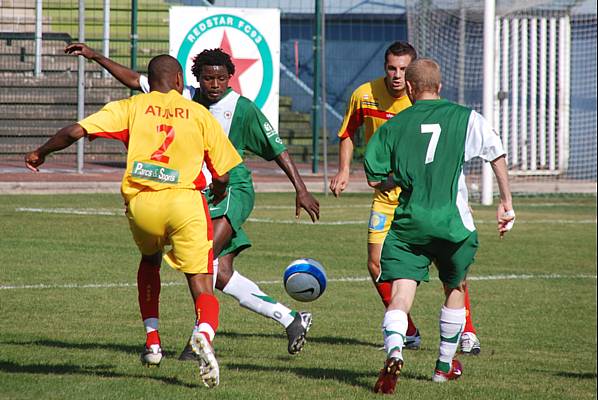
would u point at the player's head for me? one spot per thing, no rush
(164, 73)
(213, 69)
(396, 58)
(423, 79)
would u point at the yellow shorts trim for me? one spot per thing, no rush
(177, 218)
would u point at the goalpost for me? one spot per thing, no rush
(534, 60)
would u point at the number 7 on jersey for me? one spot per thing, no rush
(434, 129)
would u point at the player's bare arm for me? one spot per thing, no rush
(126, 76)
(303, 198)
(61, 140)
(340, 181)
(505, 214)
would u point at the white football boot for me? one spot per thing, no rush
(470, 344)
(152, 356)
(208, 366)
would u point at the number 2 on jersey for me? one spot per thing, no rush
(158, 155)
(434, 129)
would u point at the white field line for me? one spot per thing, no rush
(279, 282)
(305, 220)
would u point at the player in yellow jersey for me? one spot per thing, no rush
(370, 106)
(167, 139)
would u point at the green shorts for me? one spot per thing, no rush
(402, 260)
(236, 207)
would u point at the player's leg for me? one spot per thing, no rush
(470, 344)
(381, 215)
(452, 320)
(250, 296)
(207, 311)
(146, 222)
(192, 254)
(453, 261)
(148, 290)
(404, 266)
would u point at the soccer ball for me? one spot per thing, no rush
(304, 279)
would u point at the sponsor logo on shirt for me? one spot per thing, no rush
(371, 103)
(271, 132)
(167, 113)
(154, 173)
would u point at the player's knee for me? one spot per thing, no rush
(153, 260)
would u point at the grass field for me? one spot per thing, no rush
(70, 327)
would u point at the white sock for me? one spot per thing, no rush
(215, 276)
(151, 324)
(394, 329)
(207, 330)
(249, 295)
(452, 321)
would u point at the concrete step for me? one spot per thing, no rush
(20, 146)
(68, 96)
(59, 81)
(294, 116)
(64, 114)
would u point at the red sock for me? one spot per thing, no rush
(207, 309)
(384, 290)
(152, 337)
(468, 323)
(148, 290)
(411, 328)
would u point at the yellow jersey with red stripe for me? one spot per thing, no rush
(168, 139)
(370, 106)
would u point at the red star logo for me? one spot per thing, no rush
(241, 64)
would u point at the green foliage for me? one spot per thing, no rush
(533, 300)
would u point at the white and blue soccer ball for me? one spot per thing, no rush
(305, 279)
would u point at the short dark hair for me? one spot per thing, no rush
(163, 67)
(212, 57)
(400, 48)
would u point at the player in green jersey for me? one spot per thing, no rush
(248, 129)
(424, 148)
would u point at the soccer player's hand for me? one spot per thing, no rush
(387, 185)
(80, 49)
(217, 191)
(505, 218)
(305, 200)
(339, 182)
(33, 160)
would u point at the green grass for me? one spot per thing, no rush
(536, 318)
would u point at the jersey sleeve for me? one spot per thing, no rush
(260, 136)
(353, 117)
(377, 156)
(482, 140)
(220, 154)
(111, 122)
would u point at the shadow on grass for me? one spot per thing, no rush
(577, 375)
(365, 379)
(334, 340)
(72, 345)
(104, 371)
